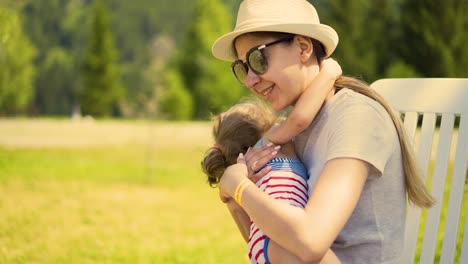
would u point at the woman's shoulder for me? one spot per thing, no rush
(349, 102)
(348, 96)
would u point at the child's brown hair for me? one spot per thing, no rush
(234, 131)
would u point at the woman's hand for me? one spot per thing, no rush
(232, 176)
(255, 158)
(246, 167)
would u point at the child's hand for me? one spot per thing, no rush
(331, 68)
(232, 176)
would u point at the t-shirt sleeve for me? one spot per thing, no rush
(364, 132)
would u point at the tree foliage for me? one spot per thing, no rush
(404, 37)
(144, 21)
(16, 64)
(101, 88)
(176, 103)
(59, 37)
(379, 38)
(167, 96)
(367, 32)
(209, 81)
(435, 35)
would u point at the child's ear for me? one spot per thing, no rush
(306, 48)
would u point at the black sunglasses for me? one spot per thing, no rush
(255, 60)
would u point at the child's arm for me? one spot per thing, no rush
(308, 104)
(240, 217)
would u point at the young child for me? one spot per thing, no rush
(254, 123)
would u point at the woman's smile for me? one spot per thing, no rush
(266, 92)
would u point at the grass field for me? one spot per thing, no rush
(111, 192)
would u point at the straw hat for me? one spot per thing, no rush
(289, 16)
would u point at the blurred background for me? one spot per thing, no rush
(152, 58)
(104, 109)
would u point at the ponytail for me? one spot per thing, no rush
(415, 187)
(214, 165)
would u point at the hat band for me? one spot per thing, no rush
(256, 23)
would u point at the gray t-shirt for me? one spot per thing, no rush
(353, 125)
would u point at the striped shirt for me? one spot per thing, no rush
(286, 182)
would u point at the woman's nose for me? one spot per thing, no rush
(251, 79)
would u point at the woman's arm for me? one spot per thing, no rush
(307, 233)
(308, 104)
(276, 253)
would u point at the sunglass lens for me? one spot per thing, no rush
(257, 62)
(240, 71)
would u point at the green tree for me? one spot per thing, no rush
(383, 34)
(101, 89)
(145, 20)
(355, 52)
(435, 37)
(209, 80)
(57, 70)
(368, 32)
(16, 64)
(59, 36)
(175, 101)
(400, 69)
(167, 98)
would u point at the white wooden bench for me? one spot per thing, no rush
(431, 98)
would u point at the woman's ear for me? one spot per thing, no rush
(306, 47)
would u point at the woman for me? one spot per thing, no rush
(253, 123)
(360, 164)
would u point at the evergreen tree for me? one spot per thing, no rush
(370, 37)
(383, 33)
(356, 51)
(435, 37)
(144, 21)
(210, 81)
(175, 101)
(168, 98)
(59, 36)
(16, 64)
(101, 89)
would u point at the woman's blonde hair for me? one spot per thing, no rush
(415, 187)
(234, 131)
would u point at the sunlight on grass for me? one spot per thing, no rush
(140, 198)
(461, 225)
(55, 222)
(114, 192)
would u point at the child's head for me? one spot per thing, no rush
(234, 131)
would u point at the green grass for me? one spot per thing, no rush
(112, 192)
(119, 203)
(441, 228)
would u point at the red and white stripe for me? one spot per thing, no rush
(282, 185)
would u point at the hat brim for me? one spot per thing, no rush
(223, 48)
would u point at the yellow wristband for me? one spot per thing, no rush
(240, 189)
